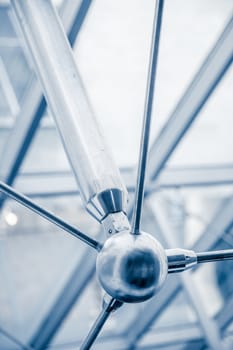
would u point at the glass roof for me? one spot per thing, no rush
(49, 288)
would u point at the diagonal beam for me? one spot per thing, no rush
(225, 315)
(187, 334)
(200, 89)
(223, 319)
(209, 326)
(222, 221)
(65, 298)
(83, 271)
(190, 334)
(193, 100)
(198, 92)
(73, 14)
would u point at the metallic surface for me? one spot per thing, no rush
(180, 259)
(188, 288)
(131, 268)
(9, 191)
(112, 200)
(108, 308)
(88, 154)
(143, 156)
(116, 222)
(217, 255)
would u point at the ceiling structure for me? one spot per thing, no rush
(50, 295)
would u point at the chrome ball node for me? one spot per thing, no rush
(131, 268)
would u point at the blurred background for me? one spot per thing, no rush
(49, 295)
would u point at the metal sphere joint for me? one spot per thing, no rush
(132, 268)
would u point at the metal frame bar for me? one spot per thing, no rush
(202, 86)
(209, 326)
(223, 319)
(220, 223)
(200, 107)
(66, 297)
(58, 183)
(16, 148)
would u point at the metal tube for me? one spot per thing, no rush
(180, 259)
(28, 203)
(32, 110)
(98, 178)
(217, 255)
(139, 194)
(99, 323)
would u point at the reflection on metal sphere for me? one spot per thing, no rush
(131, 268)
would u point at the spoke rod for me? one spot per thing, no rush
(182, 259)
(99, 323)
(139, 194)
(28, 203)
(212, 256)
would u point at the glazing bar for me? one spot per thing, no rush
(25, 201)
(98, 178)
(200, 89)
(212, 256)
(143, 157)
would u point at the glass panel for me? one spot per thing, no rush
(210, 140)
(4, 108)
(6, 28)
(179, 312)
(112, 51)
(36, 258)
(17, 69)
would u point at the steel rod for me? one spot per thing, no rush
(99, 323)
(28, 203)
(143, 154)
(212, 256)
